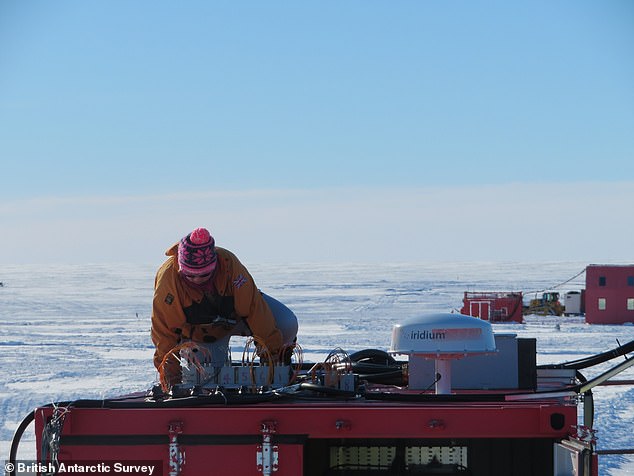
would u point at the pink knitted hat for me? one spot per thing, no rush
(197, 253)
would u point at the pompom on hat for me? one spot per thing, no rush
(197, 253)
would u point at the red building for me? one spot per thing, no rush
(493, 306)
(609, 294)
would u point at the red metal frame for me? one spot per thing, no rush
(223, 440)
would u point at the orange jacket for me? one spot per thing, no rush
(173, 296)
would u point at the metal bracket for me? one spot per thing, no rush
(584, 434)
(176, 456)
(267, 456)
(436, 424)
(343, 425)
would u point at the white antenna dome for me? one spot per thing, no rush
(442, 337)
(441, 334)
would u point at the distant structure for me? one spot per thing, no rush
(575, 303)
(493, 306)
(609, 297)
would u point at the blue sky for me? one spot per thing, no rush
(147, 118)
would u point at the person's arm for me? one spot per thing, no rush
(250, 304)
(166, 313)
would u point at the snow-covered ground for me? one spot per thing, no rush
(83, 331)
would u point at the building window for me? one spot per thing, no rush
(601, 280)
(630, 280)
(630, 304)
(602, 303)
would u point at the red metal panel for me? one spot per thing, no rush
(375, 420)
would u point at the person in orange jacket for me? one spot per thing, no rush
(204, 294)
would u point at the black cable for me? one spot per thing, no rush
(390, 377)
(374, 356)
(592, 360)
(377, 366)
(313, 387)
(432, 397)
(220, 398)
(429, 387)
(557, 285)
